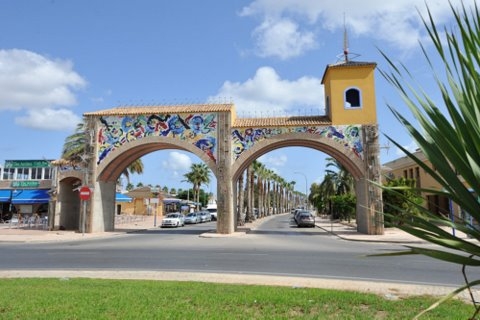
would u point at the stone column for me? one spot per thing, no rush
(225, 212)
(89, 179)
(373, 174)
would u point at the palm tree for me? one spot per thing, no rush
(74, 145)
(276, 180)
(337, 181)
(260, 173)
(269, 176)
(240, 205)
(291, 189)
(199, 174)
(328, 189)
(257, 171)
(343, 180)
(74, 150)
(249, 193)
(317, 197)
(281, 194)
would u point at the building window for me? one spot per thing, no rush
(8, 173)
(353, 98)
(23, 174)
(36, 174)
(47, 174)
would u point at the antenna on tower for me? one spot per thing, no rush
(345, 39)
(345, 55)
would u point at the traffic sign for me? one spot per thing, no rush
(85, 193)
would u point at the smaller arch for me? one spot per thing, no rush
(352, 98)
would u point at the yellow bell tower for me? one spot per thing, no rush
(350, 92)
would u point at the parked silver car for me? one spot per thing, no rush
(193, 217)
(205, 216)
(175, 219)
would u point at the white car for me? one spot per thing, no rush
(173, 220)
(213, 211)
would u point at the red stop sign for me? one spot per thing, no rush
(85, 193)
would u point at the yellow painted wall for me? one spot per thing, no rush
(138, 207)
(407, 168)
(337, 79)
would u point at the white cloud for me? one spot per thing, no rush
(411, 147)
(286, 23)
(177, 163)
(37, 84)
(277, 160)
(266, 94)
(49, 119)
(282, 38)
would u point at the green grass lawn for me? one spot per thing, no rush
(79, 298)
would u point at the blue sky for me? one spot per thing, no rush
(59, 59)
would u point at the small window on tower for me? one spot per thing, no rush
(353, 98)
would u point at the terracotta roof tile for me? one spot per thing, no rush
(282, 121)
(203, 108)
(348, 64)
(163, 109)
(352, 64)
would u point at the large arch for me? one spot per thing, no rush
(113, 166)
(367, 211)
(347, 158)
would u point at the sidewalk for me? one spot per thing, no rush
(349, 232)
(10, 233)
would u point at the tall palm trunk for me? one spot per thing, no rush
(240, 206)
(251, 182)
(248, 192)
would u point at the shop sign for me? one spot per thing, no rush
(25, 184)
(27, 163)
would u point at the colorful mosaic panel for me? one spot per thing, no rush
(197, 129)
(348, 136)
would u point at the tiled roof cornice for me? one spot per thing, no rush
(282, 121)
(163, 109)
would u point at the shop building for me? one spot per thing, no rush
(407, 168)
(25, 188)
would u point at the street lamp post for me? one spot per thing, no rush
(306, 187)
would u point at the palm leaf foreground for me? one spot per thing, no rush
(450, 139)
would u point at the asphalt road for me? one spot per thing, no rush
(275, 248)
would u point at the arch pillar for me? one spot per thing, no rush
(369, 197)
(225, 198)
(100, 209)
(101, 212)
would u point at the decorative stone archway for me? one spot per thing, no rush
(227, 144)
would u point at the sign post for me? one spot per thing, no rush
(85, 194)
